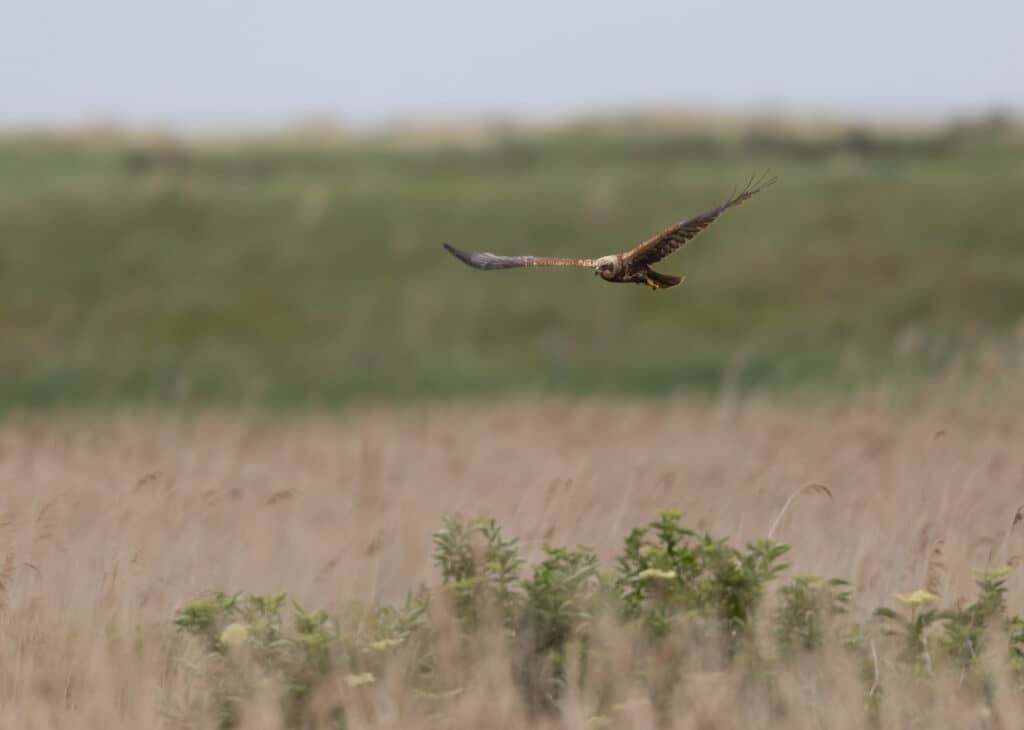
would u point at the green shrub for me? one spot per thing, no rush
(809, 606)
(965, 628)
(478, 565)
(667, 572)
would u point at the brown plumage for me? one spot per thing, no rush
(631, 267)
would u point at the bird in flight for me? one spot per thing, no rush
(630, 267)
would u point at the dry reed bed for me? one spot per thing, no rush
(110, 522)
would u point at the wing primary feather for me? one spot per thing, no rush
(669, 240)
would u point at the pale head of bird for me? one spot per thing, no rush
(608, 267)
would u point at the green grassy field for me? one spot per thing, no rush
(307, 269)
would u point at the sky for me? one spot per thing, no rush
(198, 64)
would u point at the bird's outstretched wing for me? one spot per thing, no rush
(669, 240)
(488, 261)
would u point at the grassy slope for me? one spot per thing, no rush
(300, 270)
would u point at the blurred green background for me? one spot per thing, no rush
(306, 268)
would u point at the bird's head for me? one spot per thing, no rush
(608, 267)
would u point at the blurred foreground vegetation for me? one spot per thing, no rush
(306, 268)
(635, 645)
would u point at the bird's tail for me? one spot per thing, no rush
(663, 281)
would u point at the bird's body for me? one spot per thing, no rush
(630, 267)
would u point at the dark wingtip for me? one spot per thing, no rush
(765, 180)
(457, 253)
(754, 185)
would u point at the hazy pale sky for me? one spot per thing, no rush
(212, 63)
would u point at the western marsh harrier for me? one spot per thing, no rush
(631, 267)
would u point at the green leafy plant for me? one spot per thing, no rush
(657, 570)
(668, 571)
(732, 582)
(965, 628)
(559, 608)
(911, 629)
(207, 617)
(809, 605)
(478, 565)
